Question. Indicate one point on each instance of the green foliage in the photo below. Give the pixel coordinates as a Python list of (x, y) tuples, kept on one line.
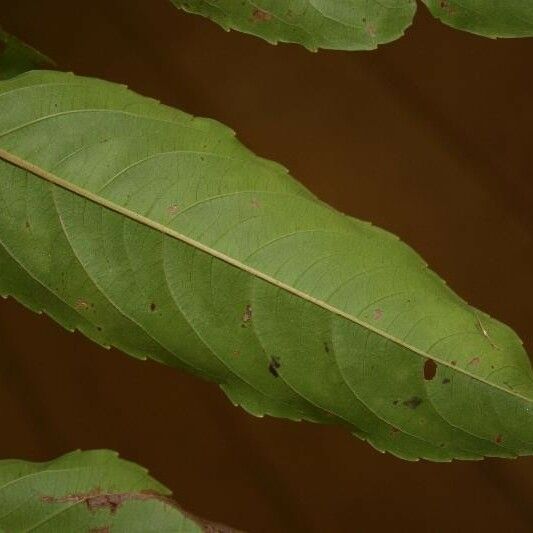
[(17, 57), (359, 24), (159, 233), (337, 24), (489, 18), (93, 491)]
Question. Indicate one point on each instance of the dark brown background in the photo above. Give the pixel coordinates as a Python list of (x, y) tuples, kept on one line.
[(430, 137)]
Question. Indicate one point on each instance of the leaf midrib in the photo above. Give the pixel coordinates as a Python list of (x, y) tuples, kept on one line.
[(50, 177)]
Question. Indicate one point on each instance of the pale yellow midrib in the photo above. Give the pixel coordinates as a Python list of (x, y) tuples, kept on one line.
[(88, 195)]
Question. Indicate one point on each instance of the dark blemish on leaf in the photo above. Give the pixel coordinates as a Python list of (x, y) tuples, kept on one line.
[(498, 439), (430, 369), (259, 15), (326, 347), (104, 529), (474, 361), (394, 430), (99, 328), (445, 5), (378, 314), (413, 402), (396, 402), (28, 225), (273, 366), (153, 307), (445, 381), (97, 499), (247, 315), (453, 363)]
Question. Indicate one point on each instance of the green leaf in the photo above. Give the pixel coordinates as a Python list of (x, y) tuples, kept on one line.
[(159, 233), (17, 57), (335, 24), (359, 24), (93, 491), (494, 18)]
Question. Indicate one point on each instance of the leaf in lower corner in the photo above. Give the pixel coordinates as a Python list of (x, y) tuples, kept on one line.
[(160, 234), (17, 57), (89, 491)]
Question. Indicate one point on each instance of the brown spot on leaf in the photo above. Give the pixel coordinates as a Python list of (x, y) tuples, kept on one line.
[(255, 203), (259, 15), (247, 315), (173, 210), (453, 363), (274, 365), (27, 225), (97, 499), (153, 307), (326, 347), (236, 353), (445, 381), (498, 439), (474, 361), (82, 305), (413, 402), (371, 30), (430, 369), (446, 6), (378, 314)]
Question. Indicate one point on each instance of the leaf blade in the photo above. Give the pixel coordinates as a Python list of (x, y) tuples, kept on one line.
[(214, 237), (17, 57), (333, 24), (498, 19), (358, 24), (90, 491)]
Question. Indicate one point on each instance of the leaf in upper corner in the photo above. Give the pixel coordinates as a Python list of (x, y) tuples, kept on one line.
[(489, 18), (335, 24), (360, 24), (17, 57), (160, 234), (93, 491)]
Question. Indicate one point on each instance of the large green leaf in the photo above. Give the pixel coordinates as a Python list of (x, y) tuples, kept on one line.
[(17, 57), (160, 234), (92, 491), (359, 24)]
